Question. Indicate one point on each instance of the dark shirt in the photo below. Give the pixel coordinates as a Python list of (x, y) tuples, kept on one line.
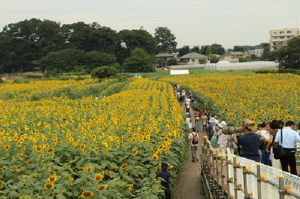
[(250, 144), (166, 175)]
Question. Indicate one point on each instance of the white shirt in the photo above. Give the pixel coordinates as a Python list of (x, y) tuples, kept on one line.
[(191, 138), (289, 136), (265, 134)]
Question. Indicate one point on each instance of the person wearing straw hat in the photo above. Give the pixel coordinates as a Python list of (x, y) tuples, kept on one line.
[(250, 141), (222, 139)]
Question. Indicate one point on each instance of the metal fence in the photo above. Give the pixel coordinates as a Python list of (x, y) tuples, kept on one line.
[(243, 178)]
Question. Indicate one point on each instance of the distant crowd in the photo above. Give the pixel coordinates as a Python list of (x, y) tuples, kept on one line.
[(257, 145)]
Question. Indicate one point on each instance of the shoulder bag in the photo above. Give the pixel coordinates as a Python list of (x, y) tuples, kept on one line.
[(278, 151)]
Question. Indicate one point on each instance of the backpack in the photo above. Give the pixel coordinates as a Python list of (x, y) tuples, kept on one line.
[(214, 141), (195, 139)]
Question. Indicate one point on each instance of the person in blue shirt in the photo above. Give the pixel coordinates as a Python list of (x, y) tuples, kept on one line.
[(250, 141), (288, 143)]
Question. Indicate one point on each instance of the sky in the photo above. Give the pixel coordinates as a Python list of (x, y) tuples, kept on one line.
[(193, 22)]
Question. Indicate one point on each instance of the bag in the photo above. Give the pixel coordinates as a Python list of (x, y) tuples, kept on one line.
[(278, 151), (214, 141), (195, 139), (197, 118)]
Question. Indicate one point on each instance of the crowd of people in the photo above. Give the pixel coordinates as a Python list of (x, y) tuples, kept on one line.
[(256, 143)]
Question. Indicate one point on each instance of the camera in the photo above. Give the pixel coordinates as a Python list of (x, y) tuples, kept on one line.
[(231, 130)]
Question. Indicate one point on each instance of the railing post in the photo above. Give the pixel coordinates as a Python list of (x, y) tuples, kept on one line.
[(259, 196), (245, 181), (228, 179), (201, 157), (235, 177), (214, 173), (281, 187), (222, 174)]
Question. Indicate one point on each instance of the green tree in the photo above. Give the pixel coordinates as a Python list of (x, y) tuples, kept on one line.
[(213, 58), (238, 49), (165, 40), (139, 61), (129, 40), (266, 52), (63, 61), (95, 59), (289, 56), (195, 49), (104, 71), (184, 50), (172, 61), (273, 56), (217, 49)]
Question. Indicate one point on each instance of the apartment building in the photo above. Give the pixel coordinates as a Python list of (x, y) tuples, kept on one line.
[(279, 38)]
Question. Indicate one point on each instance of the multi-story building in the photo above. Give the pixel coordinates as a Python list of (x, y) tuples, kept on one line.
[(257, 52), (279, 38)]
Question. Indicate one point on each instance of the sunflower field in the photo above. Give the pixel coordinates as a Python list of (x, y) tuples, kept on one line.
[(58, 141), (234, 96)]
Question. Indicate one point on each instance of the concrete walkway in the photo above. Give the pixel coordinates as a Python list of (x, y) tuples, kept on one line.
[(188, 185)]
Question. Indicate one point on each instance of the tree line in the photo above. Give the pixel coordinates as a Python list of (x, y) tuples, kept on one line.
[(81, 47), (76, 47)]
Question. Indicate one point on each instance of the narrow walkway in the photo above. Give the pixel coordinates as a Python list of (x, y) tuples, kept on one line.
[(188, 185)]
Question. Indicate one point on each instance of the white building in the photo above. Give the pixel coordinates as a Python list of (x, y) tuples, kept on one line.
[(194, 58), (279, 37), (256, 52)]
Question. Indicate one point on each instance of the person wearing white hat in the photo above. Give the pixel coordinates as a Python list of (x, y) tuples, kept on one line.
[(222, 139)]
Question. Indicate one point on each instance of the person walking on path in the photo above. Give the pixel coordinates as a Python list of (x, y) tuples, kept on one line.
[(165, 175), (250, 141), (193, 140), (197, 120), (188, 104), (288, 143), (188, 119), (203, 121), (195, 105), (222, 140)]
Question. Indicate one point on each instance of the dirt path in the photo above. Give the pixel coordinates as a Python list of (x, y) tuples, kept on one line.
[(189, 185)]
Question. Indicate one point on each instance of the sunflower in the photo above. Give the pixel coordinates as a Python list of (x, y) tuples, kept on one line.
[(154, 157), (1, 183), (130, 186), (30, 161), (50, 150), (38, 149), (25, 196), (96, 149), (135, 152), (102, 187), (1, 169), (98, 177), (48, 186), (87, 194), (124, 166), (82, 147), (89, 169), (6, 147), (52, 178)]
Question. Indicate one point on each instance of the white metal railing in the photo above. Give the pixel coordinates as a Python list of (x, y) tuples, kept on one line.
[(244, 178)]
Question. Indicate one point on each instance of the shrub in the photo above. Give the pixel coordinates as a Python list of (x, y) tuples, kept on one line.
[(172, 61), (104, 71)]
